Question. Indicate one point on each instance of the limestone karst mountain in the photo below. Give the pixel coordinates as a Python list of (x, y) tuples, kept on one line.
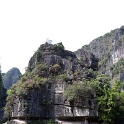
[(110, 51), (11, 77), (71, 87), (39, 94)]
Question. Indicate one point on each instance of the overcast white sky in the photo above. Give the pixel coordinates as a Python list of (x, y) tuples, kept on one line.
[(25, 24)]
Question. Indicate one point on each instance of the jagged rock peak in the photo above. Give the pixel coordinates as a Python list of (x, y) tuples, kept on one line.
[(56, 54), (109, 49), (88, 57)]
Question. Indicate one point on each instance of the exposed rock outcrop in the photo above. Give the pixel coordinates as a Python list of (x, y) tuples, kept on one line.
[(48, 102), (109, 49), (39, 93), (88, 58)]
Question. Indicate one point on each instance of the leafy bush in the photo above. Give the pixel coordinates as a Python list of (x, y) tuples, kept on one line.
[(55, 69), (60, 46), (40, 69), (103, 61), (118, 67), (111, 103), (83, 90), (109, 98)]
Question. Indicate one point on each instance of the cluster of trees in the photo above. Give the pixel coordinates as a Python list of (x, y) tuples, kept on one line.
[(110, 98), (111, 103)]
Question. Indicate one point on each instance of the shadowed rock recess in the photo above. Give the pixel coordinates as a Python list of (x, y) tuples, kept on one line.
[(40, 92)]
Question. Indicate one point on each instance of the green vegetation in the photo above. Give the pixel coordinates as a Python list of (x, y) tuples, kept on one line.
[(40, 70), (69, 58), (109, 98), (102, 46), (117, 68), (32, 80), (86, 48), (82, 90), (86, 89), (119, 42), (37, 56), (102, 63), (81, 84), (21, 88), (60, 46), (55, 69), (62, 77), (111, 103)]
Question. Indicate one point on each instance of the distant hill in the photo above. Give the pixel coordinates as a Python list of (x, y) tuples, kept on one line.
[(11, 77)]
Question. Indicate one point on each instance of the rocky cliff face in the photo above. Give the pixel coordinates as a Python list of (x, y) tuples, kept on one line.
[(48, 102), (109, 49), (39, 93), (6, 81)]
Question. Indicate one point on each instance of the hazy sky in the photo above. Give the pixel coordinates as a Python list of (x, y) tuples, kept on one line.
[(25, 25)]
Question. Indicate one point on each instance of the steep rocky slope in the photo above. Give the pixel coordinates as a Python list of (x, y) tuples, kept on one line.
[(11, 77), (39, 94), (110, 51)]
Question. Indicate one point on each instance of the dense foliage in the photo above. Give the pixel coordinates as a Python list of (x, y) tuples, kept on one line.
[(40, 76), (117, 67), (84, 90), (111, 103), (109, 98), (107, 48)]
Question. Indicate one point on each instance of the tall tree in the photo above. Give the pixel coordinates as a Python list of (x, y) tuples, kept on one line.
[(111, 103)]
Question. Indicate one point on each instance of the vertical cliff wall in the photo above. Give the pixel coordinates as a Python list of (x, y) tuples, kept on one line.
[(39, 94), (109, 49)]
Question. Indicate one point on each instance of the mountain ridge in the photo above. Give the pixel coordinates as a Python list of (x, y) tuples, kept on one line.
[(108, 48)]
